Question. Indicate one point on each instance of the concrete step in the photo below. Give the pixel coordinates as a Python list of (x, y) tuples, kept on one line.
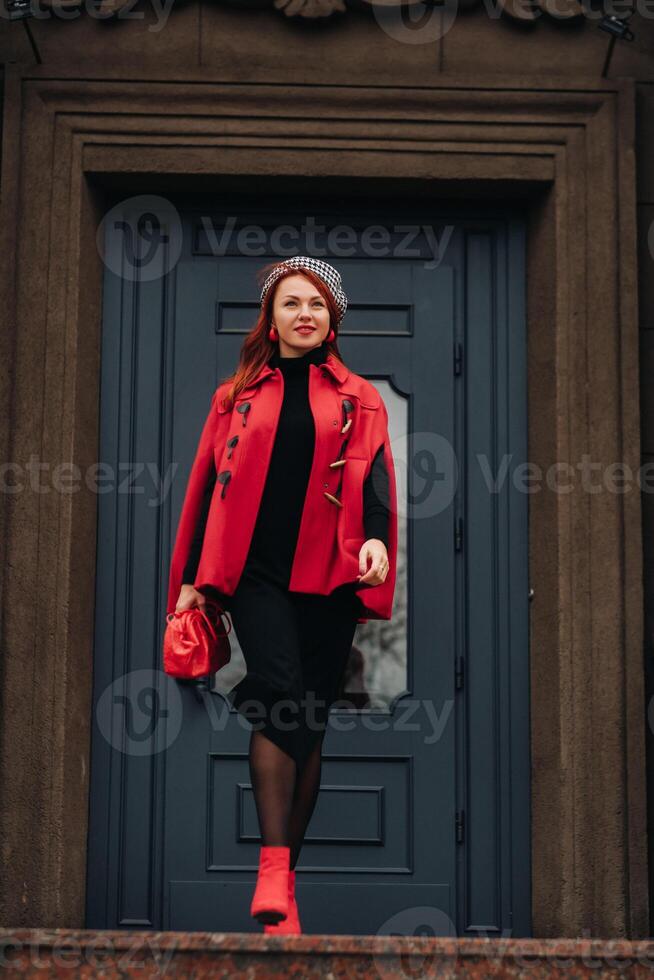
[(124, 953)]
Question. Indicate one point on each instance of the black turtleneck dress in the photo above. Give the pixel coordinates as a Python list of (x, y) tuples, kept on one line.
[(295, 644)]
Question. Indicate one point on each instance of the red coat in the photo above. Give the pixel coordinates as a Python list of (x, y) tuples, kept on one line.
[(330, 537)]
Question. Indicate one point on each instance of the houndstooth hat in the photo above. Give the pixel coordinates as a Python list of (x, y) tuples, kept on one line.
[(327, 273)]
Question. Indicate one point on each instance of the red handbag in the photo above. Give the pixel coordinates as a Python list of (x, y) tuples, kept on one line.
[(196, 643)]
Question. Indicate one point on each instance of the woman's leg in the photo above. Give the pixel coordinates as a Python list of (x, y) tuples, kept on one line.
[(264, 620), (307, 786), (272, 773), (327, 627)]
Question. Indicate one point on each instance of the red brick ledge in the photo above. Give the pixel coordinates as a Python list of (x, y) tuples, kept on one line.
[(121, 952), (238, 941)]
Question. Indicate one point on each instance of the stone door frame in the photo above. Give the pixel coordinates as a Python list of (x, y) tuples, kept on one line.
[(565, 147)]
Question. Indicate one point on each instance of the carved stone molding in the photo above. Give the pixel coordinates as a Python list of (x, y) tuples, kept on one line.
[(315, 11), (522, 10), (564, 150)]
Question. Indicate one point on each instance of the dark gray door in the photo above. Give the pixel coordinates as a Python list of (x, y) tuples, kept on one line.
[(422, 823)]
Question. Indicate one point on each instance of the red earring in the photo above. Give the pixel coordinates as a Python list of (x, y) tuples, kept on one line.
[(330, 336), (272, 333)]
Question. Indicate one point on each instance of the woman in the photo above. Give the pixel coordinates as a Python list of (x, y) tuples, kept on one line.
[(295, 544)]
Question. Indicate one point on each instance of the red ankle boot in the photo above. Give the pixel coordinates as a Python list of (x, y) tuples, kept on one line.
[(290, 926), (270, 899)]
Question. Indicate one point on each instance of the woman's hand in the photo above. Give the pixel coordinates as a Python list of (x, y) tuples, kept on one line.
[(374, 549), (190, 597)]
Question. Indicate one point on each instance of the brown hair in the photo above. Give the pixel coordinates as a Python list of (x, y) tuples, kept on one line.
[(257, 347)]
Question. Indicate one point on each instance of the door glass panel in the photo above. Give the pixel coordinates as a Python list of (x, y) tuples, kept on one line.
[(376, 674)]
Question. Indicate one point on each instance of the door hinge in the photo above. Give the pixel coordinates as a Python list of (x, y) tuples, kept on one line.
[(458, 673), (458, 357), (460, 826), (458, 534)]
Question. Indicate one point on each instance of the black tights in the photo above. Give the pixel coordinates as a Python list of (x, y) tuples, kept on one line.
[(285, 799)]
